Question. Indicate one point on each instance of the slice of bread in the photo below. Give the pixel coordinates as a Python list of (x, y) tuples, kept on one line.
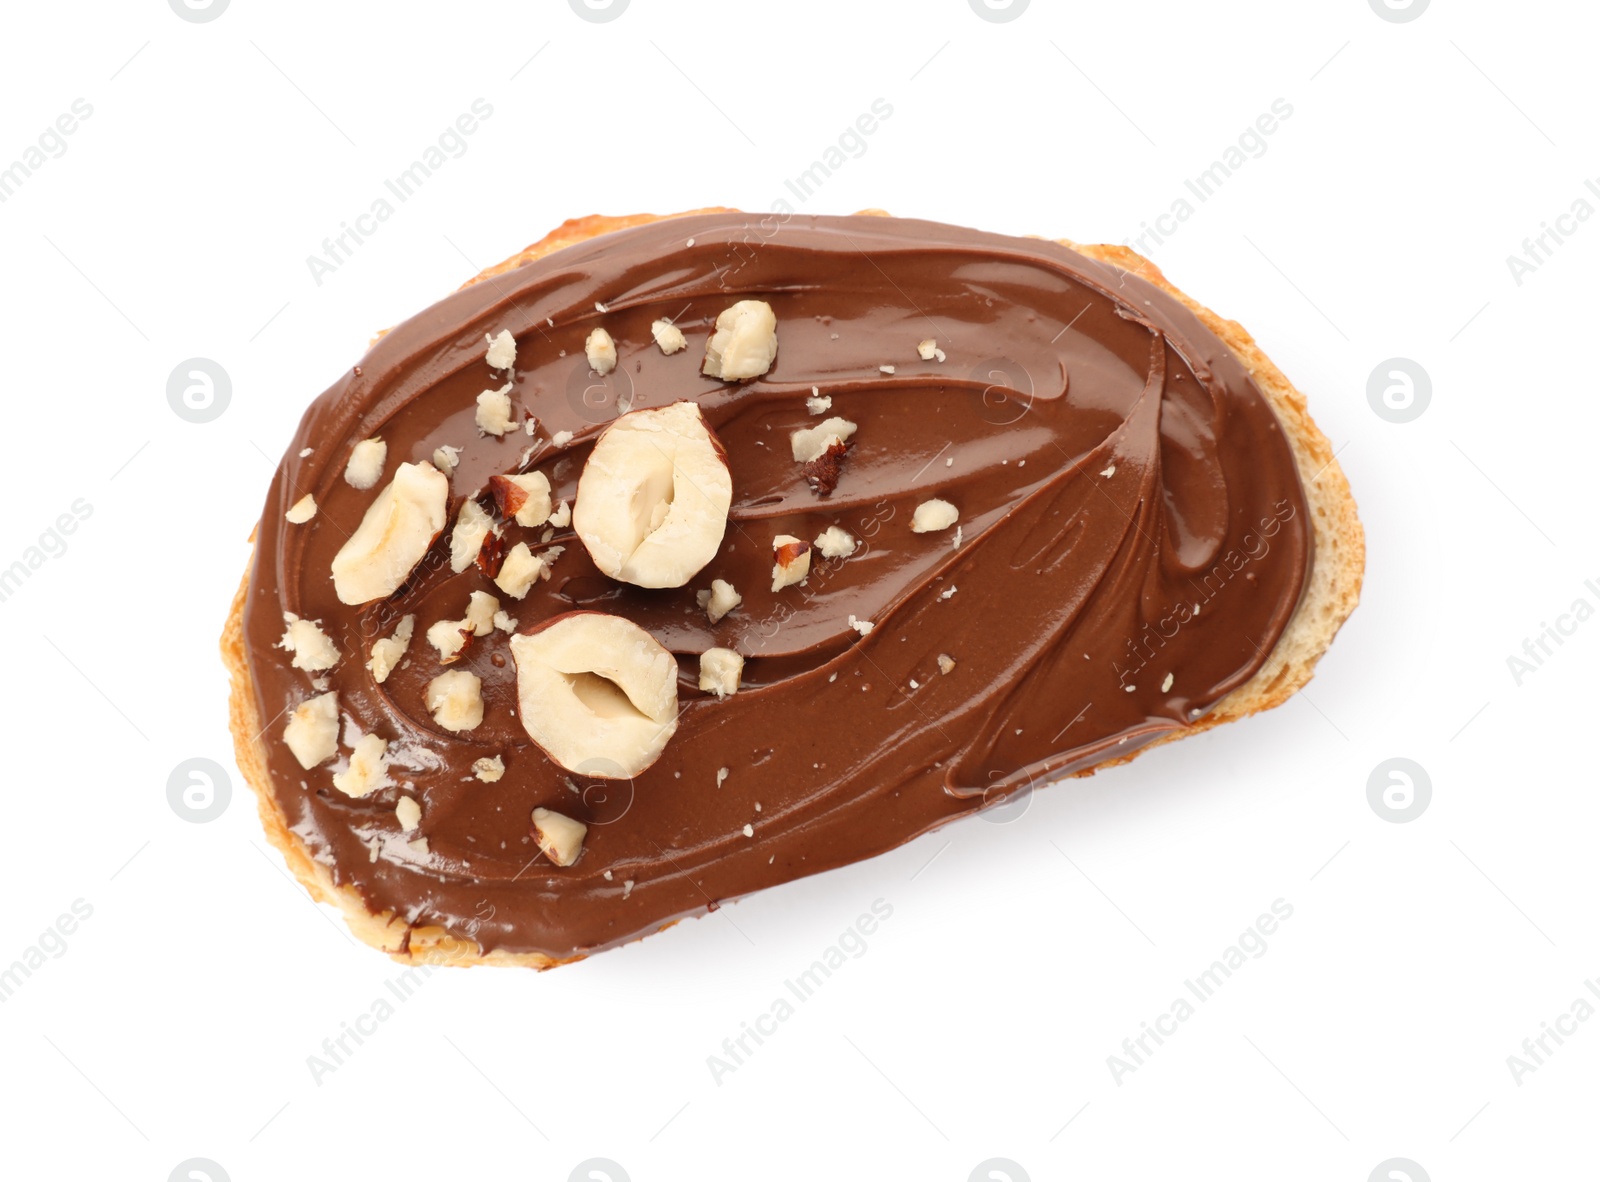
[(1328, 599)]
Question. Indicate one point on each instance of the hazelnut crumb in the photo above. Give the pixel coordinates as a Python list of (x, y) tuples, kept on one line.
[(929, 350), (302, 510), (722, 775), (1111, 471), (946, 663), (607, 876), (668, 336), (1167, 684), (933, 516), (888, 369), (947, 593), (561, 438), (493, 415), (862, 626), (627, 887), (501, 352), (749, 831)]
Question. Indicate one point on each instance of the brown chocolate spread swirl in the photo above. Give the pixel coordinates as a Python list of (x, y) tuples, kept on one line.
[(1133, 541)]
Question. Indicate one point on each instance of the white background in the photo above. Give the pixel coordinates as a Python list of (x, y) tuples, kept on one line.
[(177, 223)]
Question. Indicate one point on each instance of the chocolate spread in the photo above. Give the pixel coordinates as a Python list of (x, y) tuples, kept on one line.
[(1133, 540)]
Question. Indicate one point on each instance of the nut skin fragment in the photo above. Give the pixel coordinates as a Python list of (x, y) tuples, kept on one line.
[(455, 699), (720, 671), (368, 770), (560, 838), (399, 526), (932, 516), (601, 351), (834, 542), (365, 468), (387, 652), (791, 561), (523, 498), (668, 336), (491, 554), (597, 693), (312, 733), (451, 637), (720, 600), (744, 344), (822, 473), (493, 415), (653, 499), (302, 510)]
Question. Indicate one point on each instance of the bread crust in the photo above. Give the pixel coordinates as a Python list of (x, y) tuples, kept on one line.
[(1330, 595)]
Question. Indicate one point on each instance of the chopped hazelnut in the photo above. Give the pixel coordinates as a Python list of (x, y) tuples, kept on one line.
[(365, 468), (601, 351), (933, 516), (668, 336), (720, 670), (493, 415)]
